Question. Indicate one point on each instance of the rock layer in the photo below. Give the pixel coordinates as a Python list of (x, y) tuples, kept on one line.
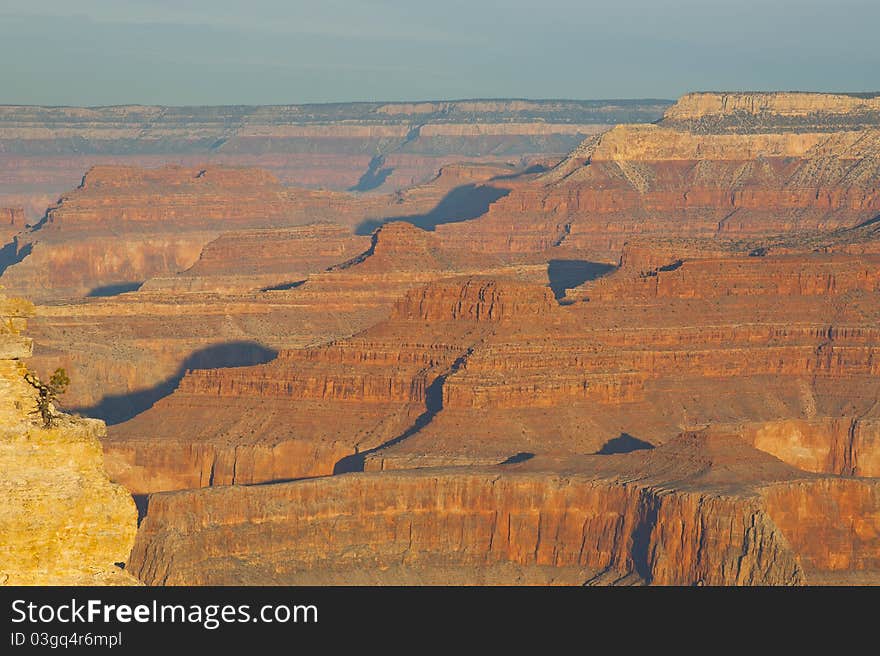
[(63, 522), (726, 520), (44, 150)]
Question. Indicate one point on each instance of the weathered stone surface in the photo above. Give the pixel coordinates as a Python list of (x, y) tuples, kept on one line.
[(63, 522)]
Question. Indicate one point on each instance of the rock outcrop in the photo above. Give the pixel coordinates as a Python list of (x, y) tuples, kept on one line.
[(63, 522), (11, 223), (698, 511), (738, 112)]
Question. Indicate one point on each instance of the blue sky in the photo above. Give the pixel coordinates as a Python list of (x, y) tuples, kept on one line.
[(178, 52)]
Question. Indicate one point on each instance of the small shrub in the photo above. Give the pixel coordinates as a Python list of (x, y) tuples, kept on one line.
[(47, 393)]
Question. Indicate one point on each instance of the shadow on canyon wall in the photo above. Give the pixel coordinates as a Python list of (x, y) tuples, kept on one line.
[(375, 175), (566, 274), (284, 286), (142, 503), (522, 456), (623, 443), (11, 254), (433, 405), (115, 289), (462, 203), (117, 408), (531, 170)]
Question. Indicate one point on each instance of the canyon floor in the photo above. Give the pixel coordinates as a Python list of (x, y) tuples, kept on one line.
[(633, 353)]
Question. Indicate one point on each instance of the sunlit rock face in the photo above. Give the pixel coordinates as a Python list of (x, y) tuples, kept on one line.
[(63, 522)]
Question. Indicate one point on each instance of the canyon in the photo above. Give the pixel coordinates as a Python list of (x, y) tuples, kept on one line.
[(653, 360), (388, 146)]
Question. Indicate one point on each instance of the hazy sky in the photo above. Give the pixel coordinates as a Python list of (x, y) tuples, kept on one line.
[(178, 52)]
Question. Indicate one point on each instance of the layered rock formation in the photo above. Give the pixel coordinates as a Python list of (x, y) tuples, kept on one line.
[(44, 150), (267, 259), (655, 363), (63, 522), (307, 411), (698, 511), (11, 222), (122, 225), (742, 112), (678, 179)]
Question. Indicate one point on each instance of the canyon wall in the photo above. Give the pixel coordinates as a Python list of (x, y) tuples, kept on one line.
[(581, 525), (124, 225), (679, 179), (45, 150)]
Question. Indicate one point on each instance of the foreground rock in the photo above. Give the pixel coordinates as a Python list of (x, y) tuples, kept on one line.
[(63, 522)]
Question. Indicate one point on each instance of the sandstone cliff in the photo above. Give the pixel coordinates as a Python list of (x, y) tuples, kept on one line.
[(11, 222), (63, 522), (736, 112), (700, 511)]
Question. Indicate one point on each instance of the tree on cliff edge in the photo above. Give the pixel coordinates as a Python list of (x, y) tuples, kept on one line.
[(47, 393)]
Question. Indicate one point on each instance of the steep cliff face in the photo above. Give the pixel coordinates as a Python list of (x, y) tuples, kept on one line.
[(599, 519), (11, 222), (735, 112), (784, 165), (268, 259), (475, 300), (63, 522), (847, 446)]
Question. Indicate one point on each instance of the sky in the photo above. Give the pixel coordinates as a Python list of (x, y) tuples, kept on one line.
[(198, 52)]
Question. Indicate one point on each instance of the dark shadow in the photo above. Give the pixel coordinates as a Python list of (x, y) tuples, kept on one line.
[(283, 286), (623, 443), (867, 223), (45, 218), (115, 290), (460, 204), (566, 231), (142, 503), (672, 266), (117, 408), (357, 259), (522, 456), (761, 251), (11, 254), (375, 175), (566, 274), (433, 405), (641, 537), (276, 481)]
